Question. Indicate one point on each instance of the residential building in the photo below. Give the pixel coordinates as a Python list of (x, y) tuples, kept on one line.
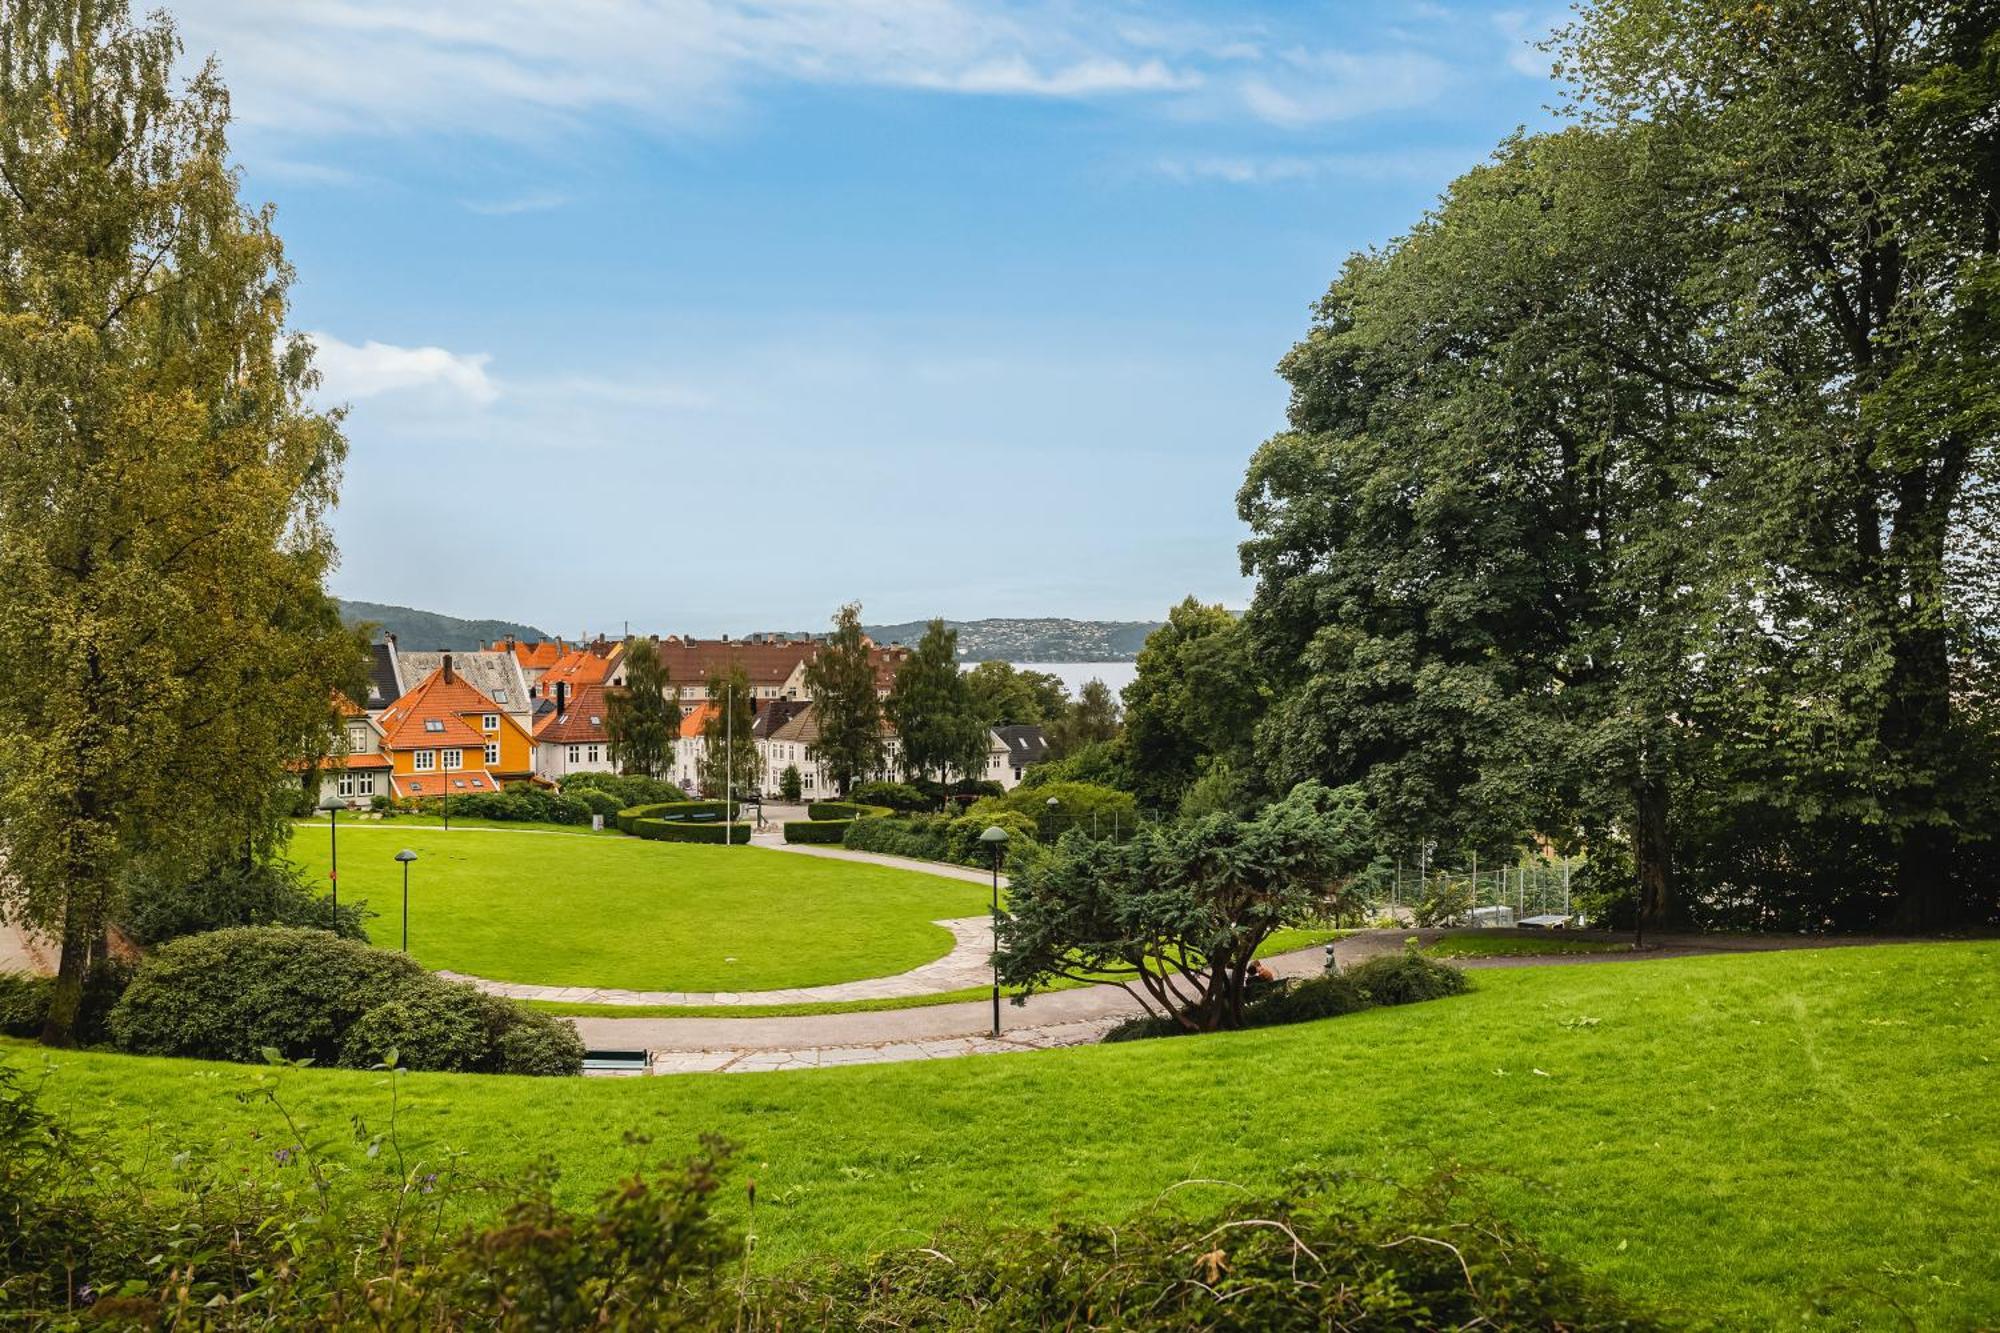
[(535, 659), (1016, 748), (570, 735), (600, 662), (385, 680), (794, 742), (497, 675), (446, 738), (360, 772)]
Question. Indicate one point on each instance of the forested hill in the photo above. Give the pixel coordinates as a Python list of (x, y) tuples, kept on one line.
[(426, 631), (1036, 639)]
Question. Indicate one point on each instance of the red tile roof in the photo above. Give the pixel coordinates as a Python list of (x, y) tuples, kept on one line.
[(584, 666), (423, 786), (544, 654), (582, 720), (407, 724), (697, 717)]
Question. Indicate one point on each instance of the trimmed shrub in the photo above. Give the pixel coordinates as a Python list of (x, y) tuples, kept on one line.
[(520, 803), (668, 830), (232, 994), (1405, 978), (1329, 995), (628, 789), (598, 802), (962, 837), (1081, 805), (270, 894), (25, 998), (452, 1026), (828, 832), (846, 810), (921, 837), (675, 812), (898, 796)]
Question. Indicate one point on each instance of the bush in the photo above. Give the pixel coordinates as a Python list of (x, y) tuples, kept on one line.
[(1405, 978), (598, 802), (157, 909), (962, 842), (898, 796), (1094, 809), (520, 803), (790, 784), (628, 789), (1330, 995), (232, 994), (830, 832), (845, 810), (675, 812), (1446, 902), (921, 837), (24, 1003), (452, 1026), (25, 998), (670, 830)]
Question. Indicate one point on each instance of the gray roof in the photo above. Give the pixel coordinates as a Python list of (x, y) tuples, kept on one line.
[(384, 687), (495, 675), (1025, 744)]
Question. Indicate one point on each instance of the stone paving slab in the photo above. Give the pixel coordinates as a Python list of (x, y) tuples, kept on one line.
[(738, 1061)]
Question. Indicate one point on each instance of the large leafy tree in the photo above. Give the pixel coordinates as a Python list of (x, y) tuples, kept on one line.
[(1197, 694), (841, 679), (730, 762), (1175, 914), (1005, 694), (168, 643), (1846, 155), (1094, 717), (933, 710), (643, 717)]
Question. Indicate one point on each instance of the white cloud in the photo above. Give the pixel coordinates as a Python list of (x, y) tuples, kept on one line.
[(1420, 165), (373, 368), (1523, 35), (1314, 87), (535, 201)]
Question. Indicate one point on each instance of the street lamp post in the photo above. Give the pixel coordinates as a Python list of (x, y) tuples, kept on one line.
[(1053, 804), (995, 837), (333, 805), (406, 856)]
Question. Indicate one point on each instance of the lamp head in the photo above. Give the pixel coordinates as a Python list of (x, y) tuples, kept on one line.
[(332, 803), (994, 836), (406, 856)]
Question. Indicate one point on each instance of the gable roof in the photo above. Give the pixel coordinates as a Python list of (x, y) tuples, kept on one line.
[(1026, 744), (773, 714), (385, 686), (803, 727), (764, 663), (696, 718), (592, 664), (582, 720), (408, 723), (533, 656), (496, 675)]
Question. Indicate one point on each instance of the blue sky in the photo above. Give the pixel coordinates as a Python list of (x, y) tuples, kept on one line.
[(708, 315)]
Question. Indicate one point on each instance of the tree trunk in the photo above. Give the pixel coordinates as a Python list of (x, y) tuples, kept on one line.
[(1652, 855), (73, 965)]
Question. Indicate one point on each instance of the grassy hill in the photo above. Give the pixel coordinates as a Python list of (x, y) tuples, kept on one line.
[(1755, 1141), (427, 631)]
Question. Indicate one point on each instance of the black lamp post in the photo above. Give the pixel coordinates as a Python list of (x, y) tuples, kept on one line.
[(333, 805), (406, 856), (996, 838)]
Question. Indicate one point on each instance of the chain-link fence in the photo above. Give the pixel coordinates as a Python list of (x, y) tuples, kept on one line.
[(1535, 889)]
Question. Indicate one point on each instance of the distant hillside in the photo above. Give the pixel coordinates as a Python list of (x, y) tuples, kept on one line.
[(426, 631), (1039, 639)]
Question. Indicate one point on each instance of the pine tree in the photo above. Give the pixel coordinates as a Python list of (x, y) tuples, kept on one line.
[(841, 679), (169, 644)]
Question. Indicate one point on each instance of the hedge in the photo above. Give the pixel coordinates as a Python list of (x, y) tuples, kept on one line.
[(819, 810), (669, 830), (675, 812), (818, 830)]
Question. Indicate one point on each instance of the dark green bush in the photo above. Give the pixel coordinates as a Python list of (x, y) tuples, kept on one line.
[(898, 796), (24, 1003), (452, 1026), (1329, 995), (829, 832), (921, 837), (628, 789), (675, 812), (158, 908), (669, 830), (598, 802), (1405, 978), (233, 994), (845, 810)]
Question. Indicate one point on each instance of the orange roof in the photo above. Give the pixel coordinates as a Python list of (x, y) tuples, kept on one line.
[(346, 707), (359, 761), (432, 714), (584, 666), (544, 654), (426, 785), (697, 717), (581, 720), (693, 661)]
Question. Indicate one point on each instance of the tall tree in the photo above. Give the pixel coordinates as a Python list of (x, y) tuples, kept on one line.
[(932, 708), (162, 536), (1196, 695), (1004, 694), (1847, 154), (1091, 719), (841, 679), (730, 762), (643, 717)]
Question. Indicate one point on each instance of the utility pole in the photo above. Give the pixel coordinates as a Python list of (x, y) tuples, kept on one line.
[(728, 758)]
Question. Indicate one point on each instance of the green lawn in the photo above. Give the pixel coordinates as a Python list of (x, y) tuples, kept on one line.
[(1762, 1140), (1508, 944), (621, 912)]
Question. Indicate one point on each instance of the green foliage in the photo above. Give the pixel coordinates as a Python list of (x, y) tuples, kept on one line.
[(962, 844), (1093, 719), (920, 837), (1446, 902), (520, 803), (308, 995), (1405, 978), (1102, 811), (1003, 695), (730, 764), (156, 907), (712, 832), (676, 812), (841, 679), (1100, 764), (827, 832), (846, 810), (932, 708), (1198, 693), (598, 803), (642, 718), (1329, 995), (630, 789), (163, 535), (791, 786), (1181, 909), (898, 796)]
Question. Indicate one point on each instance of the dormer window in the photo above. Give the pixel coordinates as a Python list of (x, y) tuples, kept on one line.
[(433, 724), (499, 696)]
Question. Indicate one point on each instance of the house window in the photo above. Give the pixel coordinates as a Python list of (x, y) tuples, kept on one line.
[(433, 724), (357, 738), (346, 785), (576, 754), (500, 696), (454, 760), (365, 784), (492, 755), (490, 722), (424, 760), (593, 755)]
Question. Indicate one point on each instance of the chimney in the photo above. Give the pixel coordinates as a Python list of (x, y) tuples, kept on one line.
[(449, 678), (562, 697)]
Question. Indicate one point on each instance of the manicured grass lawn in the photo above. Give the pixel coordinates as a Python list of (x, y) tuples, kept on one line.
[(317, 828), (1760, 1141), (621, 912), (1508, 944)]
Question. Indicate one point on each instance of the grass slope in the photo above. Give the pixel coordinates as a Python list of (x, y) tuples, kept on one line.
[(1756, 1140), (621, 912), (1507, 944)]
